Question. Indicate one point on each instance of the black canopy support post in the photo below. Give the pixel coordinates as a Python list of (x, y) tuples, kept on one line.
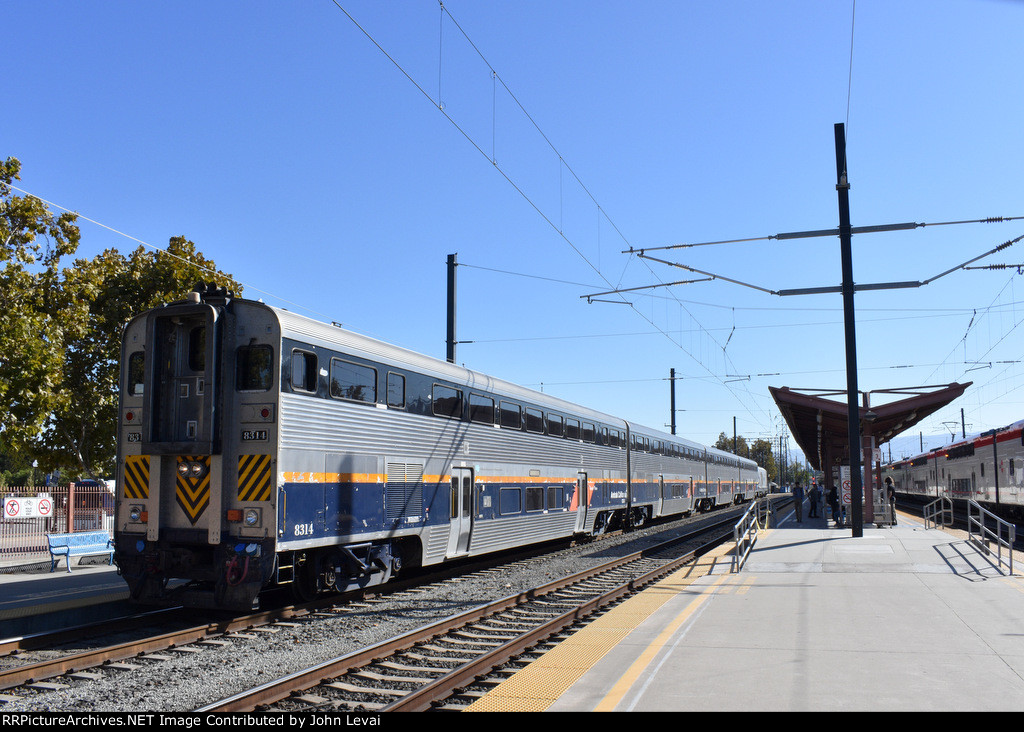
[(452, 264), (852, 392)]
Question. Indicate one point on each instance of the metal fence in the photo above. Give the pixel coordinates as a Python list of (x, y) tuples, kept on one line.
[(29, 514)]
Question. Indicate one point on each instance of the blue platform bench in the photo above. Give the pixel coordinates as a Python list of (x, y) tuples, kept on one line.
[(79, 544)]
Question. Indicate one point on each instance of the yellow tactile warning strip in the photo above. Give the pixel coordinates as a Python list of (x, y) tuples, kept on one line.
[(539, 685)]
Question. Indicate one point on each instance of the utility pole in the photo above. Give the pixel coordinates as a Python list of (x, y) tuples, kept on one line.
[(672, 397), (452, 264)]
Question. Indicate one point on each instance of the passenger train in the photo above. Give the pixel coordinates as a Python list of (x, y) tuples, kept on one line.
[(259, 448), (988, 469)]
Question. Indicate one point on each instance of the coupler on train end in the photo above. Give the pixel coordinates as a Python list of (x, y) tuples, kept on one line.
[(225, 576)]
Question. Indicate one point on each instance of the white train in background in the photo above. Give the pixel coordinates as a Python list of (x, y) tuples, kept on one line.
[(988, 469)]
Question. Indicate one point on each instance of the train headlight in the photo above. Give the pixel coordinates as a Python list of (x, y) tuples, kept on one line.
[(192, 469), (135, 513), (252, 517)]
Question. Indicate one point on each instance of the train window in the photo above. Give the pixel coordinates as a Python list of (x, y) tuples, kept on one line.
[(511, 415), (572, 429), (137, 373), (304, 371), (534, 421), (353, 381), (481, 409), (556, 425), (535, 499), (982, 469), (254, 368), (396, 390), (589, 432), (197, 349), (447, 402), (509, 501), (554, 497)]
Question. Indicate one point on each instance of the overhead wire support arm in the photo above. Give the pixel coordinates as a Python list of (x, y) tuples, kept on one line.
[(643, 287), (712, 275), (832, 232), (908, 284), (999, 248)]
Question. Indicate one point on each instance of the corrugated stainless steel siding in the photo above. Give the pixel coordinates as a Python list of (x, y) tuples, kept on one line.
[(511, 531)]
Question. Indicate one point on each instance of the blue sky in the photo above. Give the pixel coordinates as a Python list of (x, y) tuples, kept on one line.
[(300, 158)]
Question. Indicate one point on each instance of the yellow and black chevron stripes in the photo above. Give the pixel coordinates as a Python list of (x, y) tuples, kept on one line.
[(193, 493), (136, 477), (254, 477)]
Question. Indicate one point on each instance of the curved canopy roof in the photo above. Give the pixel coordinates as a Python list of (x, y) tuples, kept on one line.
[(820, 426)]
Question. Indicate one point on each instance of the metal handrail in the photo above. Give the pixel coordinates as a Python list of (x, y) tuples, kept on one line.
[(745, 531), (939, 512), (976, 519)]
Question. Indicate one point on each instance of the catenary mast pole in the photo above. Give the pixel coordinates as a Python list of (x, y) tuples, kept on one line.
[(852, 401)]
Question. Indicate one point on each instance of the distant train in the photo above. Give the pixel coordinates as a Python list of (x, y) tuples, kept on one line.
[(988, 469), (259, 448)]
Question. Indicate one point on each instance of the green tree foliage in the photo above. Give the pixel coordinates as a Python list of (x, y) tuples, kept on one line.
[(762, 454), (60, 331), (33, 315), (725, 444)]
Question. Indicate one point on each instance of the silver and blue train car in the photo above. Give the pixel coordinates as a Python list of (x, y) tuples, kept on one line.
[(261, 448)]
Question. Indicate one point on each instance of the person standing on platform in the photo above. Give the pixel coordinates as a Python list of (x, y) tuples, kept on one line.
[(833, 502), (815, 499), (890, 495), (798, 501)]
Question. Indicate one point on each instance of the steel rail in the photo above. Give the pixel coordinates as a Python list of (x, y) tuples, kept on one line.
[(34, 672), (51, 638)]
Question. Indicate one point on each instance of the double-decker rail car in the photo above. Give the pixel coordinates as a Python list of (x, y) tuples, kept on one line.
[(988, 469), (762, 483), (261, 448)]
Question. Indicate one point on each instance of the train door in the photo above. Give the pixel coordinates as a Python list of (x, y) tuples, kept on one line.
[(659, 505), (183, 369), (582, 501), (461, 511), (182, 435)]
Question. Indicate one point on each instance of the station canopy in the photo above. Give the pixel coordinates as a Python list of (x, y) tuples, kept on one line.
[(821, 426)]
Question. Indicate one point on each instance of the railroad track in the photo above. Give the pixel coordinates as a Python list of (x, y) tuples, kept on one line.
[(417, 671), (60, 654), (39, 672)]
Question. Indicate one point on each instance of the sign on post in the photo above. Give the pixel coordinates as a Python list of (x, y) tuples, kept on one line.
[(845, 485)]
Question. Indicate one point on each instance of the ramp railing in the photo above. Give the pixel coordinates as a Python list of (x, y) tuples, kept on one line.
[(744, 533), (939, 512), (1002, 533)]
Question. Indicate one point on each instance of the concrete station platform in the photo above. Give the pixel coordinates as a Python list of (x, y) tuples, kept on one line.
[(904, 618), (33, 592)]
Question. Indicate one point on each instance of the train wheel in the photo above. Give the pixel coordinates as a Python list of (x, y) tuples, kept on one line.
[(304, 582)]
